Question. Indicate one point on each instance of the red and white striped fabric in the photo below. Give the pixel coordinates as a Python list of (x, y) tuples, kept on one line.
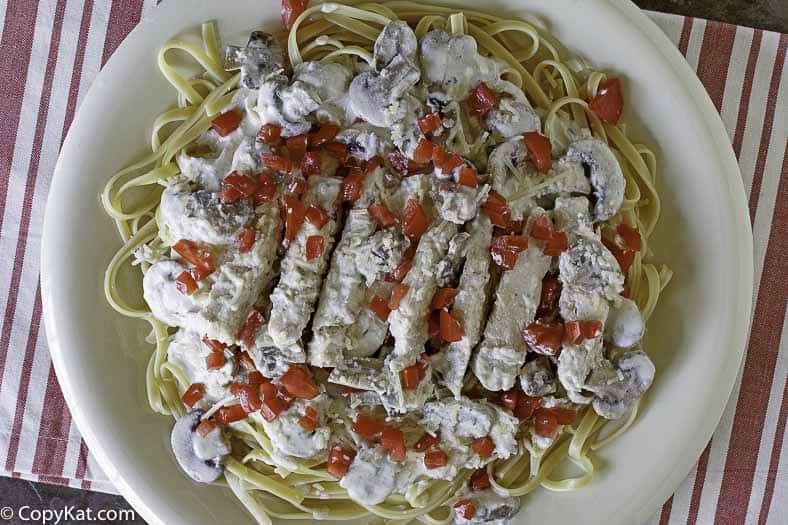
[(51, 51)]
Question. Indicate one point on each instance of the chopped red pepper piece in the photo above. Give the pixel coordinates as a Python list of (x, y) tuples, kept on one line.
[(382, 215), (542, 228), (273, 404), (400, 271), (296, 147), (311, 164), (185, 283), (205, 427), (630, 236), (297, 186), (214, 345), (564, 416), (316, 216), (215, 360), (294, 216), (506, 248), (248, 332), (556, 245), (578, 331), (544, 337), (246, 239), (324, 134), (314, 247), (608, 104), (423, 152), (551, 293), (248, 396), (397, 293), (339, 460), (269, 133), (236, 186), (443, 297), (393, 441), (337, 150), (436, 459), (380, 307), (367, 426), (352, 185), (480, 481), (429, 123), (193, 394), (276, 162), (539, 150), (468, 177), (526, 405), (414, 220), (230, 414), (465, 508), (412, 375), (291, 10), (309, 420), (545, 423), (227, 122), (484, 446), (195, 254), (445, 160), (297, 383), (426, 442), (266, 189), (497, 209), (451, 329), (481, 100), (509, 398)]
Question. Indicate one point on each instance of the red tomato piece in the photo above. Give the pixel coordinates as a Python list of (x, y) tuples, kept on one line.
[(367, 426), (291, 10), (630, 236), (205, 427), (311, 164), (498, 210), (436, 459), (426, 442), (468, 177), (382, 215), (249, 397), (545, 423), (445, 160), (215, 360), (214, 345), (248, 331), (276, 162), (230, 414), (542, 228), (608, 104), (414, 220), (315, 215), (451, 329), (273, 404), (352, 185), (185, 283), (465, 508), (294, 216), (227, 122), (309, 420), (380, 307), (505, 249), (556, 245), (443, 297), (297, 186), (269, 133), (198, 255), (484, 446), (481, 100), (256, 378), (246, 239), (578, 331), (539, 150), (480, 481), (314, 247), (193, 394), (429, 123), (237, 186), (424, 151), (266, 189), (400, 271), (297, 383), (551, 293), (591, 329), (339, 460), (337, 150), (412, 375), (564, 416), (393, 441), (296, 147), (526, 405), (397, 293), (324, 134), (509, 398), (544, 337)]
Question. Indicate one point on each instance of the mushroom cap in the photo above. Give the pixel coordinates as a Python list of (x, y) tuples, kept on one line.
[(182, 441)]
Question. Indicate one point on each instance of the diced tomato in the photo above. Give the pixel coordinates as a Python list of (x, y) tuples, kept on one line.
[(542, 228), (273, 404), (199, 273), (509, 398), (296, 147), (556, 245), (315, 215), (497, 209), (309, 420), (195, 254), (414, 220), (266, 189), (294, 216), (291, 10), (436, 459), (451, 329), (373, 164), (465, 508), (337, 150), (481, 100), (578, 331), (445, 160), (227, 122), (324, 134), (397, 293), (423, 152), (339, 460), (230, 414), (443, 297), (297, 186), (484, 446), (185, 283), (193, 394), (246, 239), (311, 164), (314, 247), (412, 375), (544, 337), (468, 177), (539, 150), (237, 186), (545, 423), (382, 215), (393, 441), (256, 378), (249, 397), (429, 123), (248, 332), (608, 104), (426, 442), (367, 426), (246, 362), (623, 256), (400, 271), (564, 416), (205, 427), (380, 307), (214, 345), (591, 329), (276, 162), (215, 360), (526, 405), (480, 480), (434, 324), (352, 185), (297, 383), (551, 292), (505, 249), (269, 133), (630, 236)]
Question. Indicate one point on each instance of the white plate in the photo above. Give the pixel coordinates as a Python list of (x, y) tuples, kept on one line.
[(696, 336)]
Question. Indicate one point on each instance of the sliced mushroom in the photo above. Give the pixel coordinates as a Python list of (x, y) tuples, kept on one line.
[(605, 174), (199, 457), (453, 63), (397, 38), (491, 507), (589, 267), (364, 141), (513, 114), (625, 325), (376, 97), (537, 378), (613, 399), (260, 57)]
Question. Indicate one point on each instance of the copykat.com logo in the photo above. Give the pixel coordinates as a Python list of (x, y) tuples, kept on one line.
[(68, 514)]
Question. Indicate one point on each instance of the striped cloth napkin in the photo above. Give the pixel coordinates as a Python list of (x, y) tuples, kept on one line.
[(52, 50)]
